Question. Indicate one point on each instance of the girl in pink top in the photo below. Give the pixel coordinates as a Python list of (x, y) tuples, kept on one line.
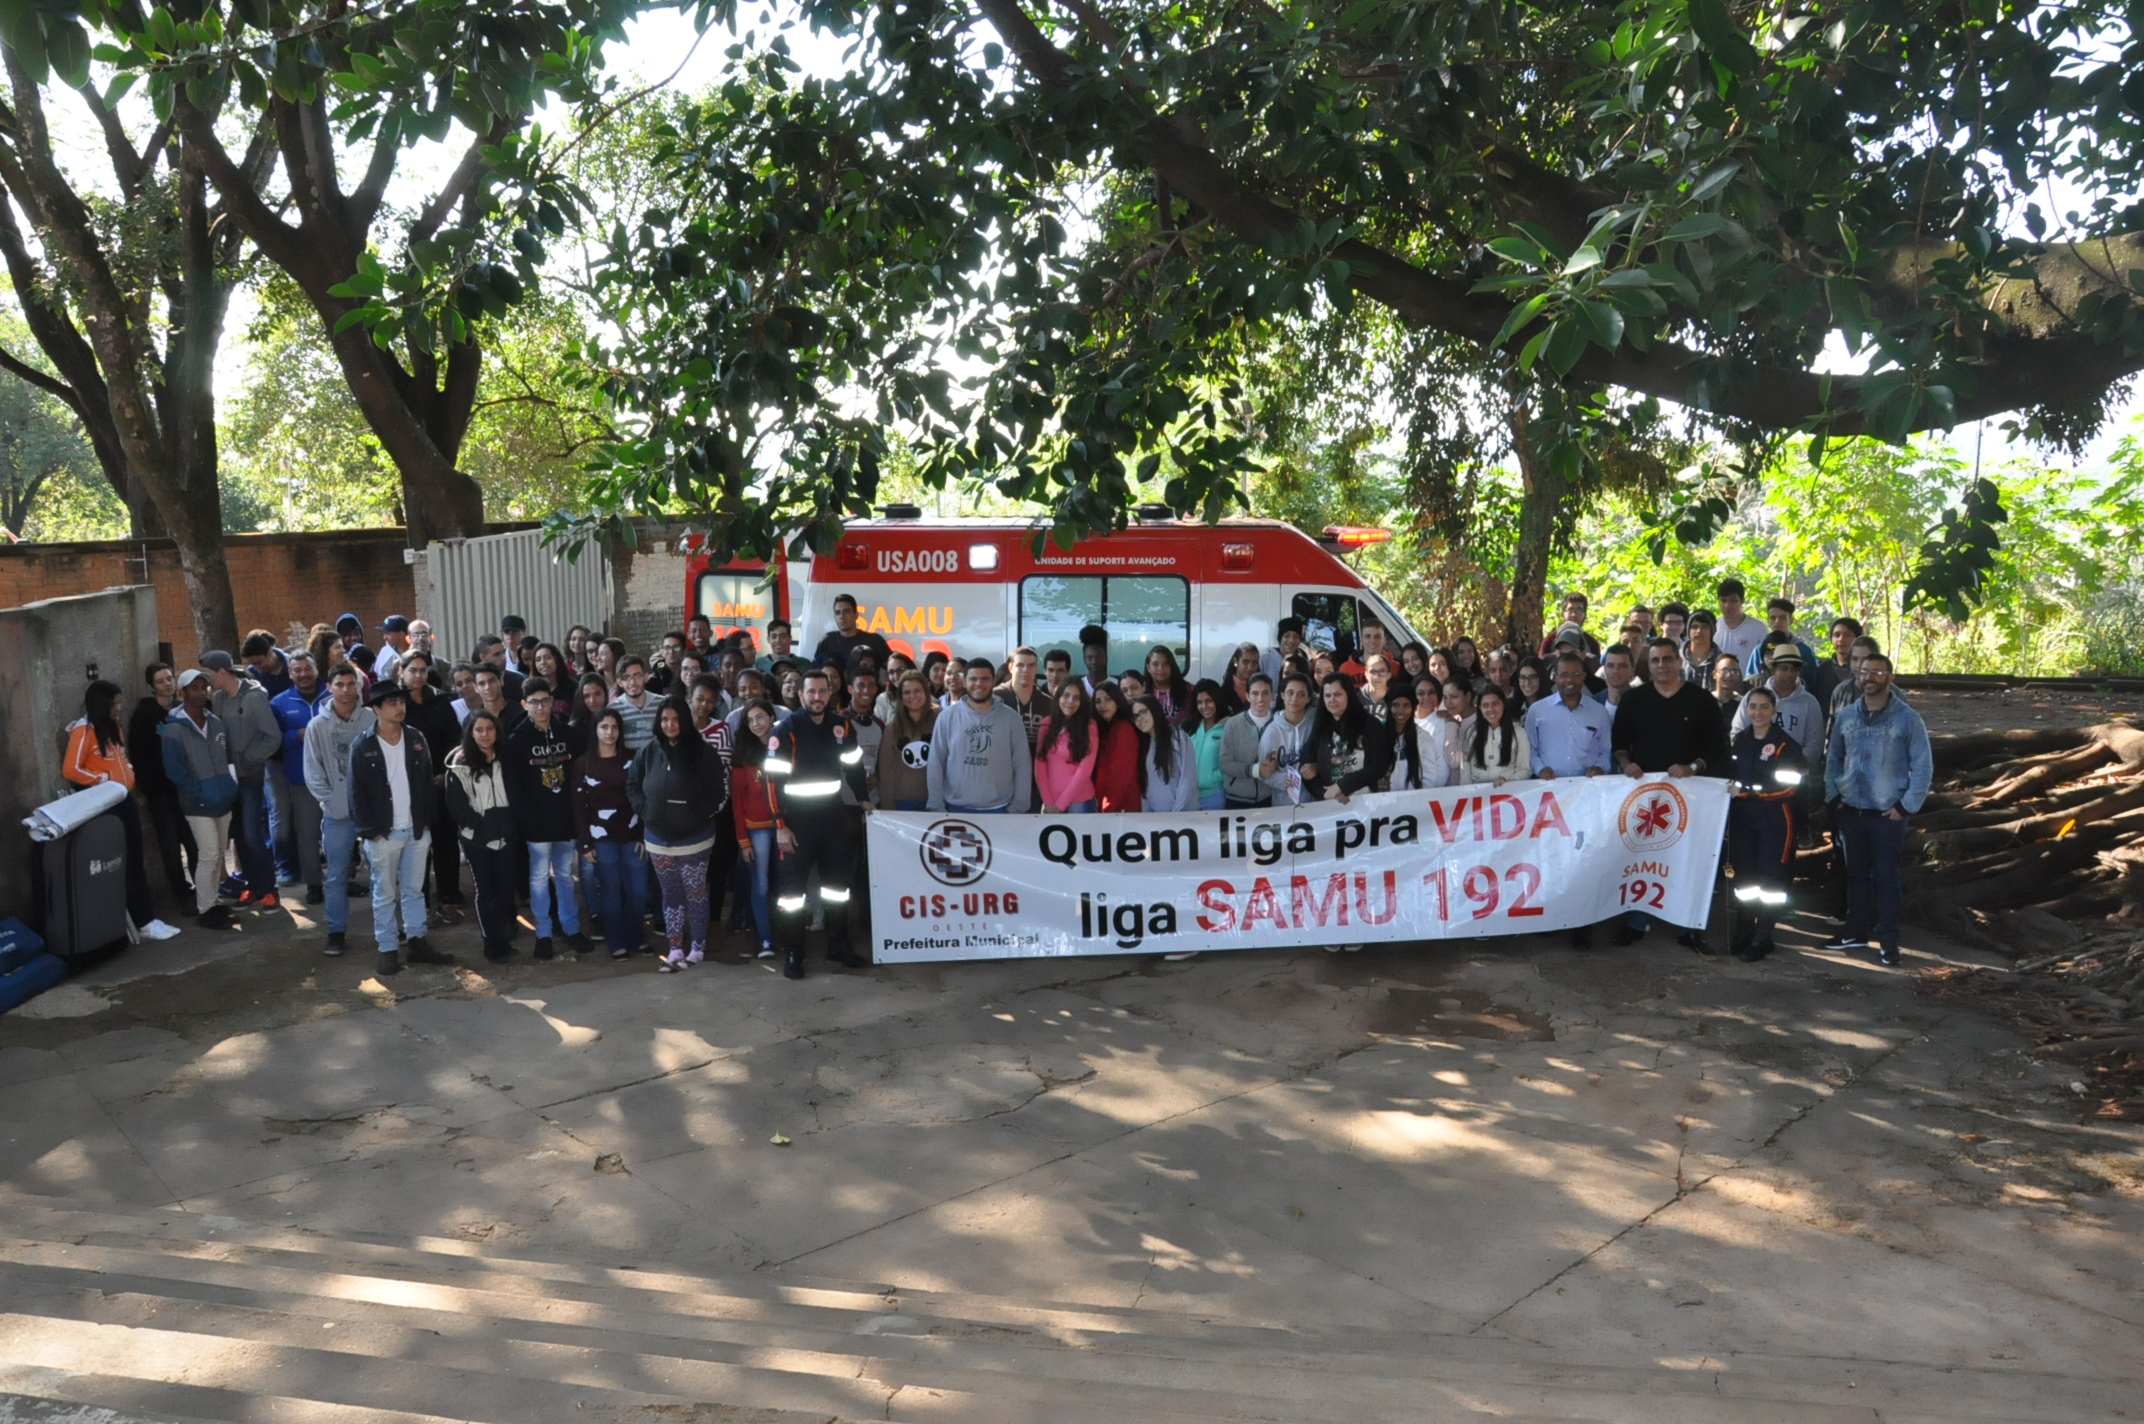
[(1065, 752)]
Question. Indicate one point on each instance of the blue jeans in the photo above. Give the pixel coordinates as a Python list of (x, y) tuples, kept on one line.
[(337, 840), (976, 810), (1213, 800), (1873, 843), (761, 871), (396, 864), (621, 875), (1084, 808), (256, 860), (552, 861), (282, 825), (917, 805)]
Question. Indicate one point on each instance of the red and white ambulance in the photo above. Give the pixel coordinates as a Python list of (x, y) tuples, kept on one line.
[(981, 587)]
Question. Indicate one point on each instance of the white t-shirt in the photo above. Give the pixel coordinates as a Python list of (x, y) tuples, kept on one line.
[(1741, 641), (397, 783)]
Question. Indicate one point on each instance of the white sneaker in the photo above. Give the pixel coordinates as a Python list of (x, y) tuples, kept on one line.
[(1181, 955), (157, 929), (1332, 949), (1351, 948)]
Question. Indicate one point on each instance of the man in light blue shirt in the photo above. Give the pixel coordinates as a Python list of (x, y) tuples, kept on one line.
[(1569, 732), (1877, 774), (1569, 736)]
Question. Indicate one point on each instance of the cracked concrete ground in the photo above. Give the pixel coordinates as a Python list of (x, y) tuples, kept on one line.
[(1623, 1148)]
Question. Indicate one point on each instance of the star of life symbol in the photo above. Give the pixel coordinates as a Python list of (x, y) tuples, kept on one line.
[(955, 853), (1654, 817)]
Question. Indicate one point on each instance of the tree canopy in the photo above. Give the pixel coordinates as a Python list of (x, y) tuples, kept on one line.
[(1082, 209)]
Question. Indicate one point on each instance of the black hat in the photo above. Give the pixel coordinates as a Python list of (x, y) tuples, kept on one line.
[(394, 623), (385, 688), (513, 623), (217, 660)]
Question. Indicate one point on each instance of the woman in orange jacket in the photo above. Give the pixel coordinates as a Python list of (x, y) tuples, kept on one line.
[(97, 753)]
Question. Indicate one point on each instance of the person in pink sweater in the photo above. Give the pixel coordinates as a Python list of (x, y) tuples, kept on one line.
[(1066, 746)]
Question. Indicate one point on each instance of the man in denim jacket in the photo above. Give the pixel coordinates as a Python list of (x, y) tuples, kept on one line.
[(1875, 776)]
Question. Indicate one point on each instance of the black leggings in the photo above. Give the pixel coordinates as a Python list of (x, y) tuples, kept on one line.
[(492, 875), (138, 907), (173, 837)]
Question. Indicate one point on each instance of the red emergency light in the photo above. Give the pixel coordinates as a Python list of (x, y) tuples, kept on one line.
[(1351, 536), (852, 555), (1235, 558)]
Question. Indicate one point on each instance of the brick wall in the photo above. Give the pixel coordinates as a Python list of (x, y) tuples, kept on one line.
[(276, 579)]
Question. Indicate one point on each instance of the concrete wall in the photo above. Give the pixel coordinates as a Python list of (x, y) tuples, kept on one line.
[(648, 586), (51, 650)]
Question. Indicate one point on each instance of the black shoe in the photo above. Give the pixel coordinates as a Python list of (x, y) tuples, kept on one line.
[(848, 959), (1627, 935), (1696, 944), (620, 954), (420, 951), (452, 899), (1844, 941), (388, 962), (215, 917), (335, 938), (580, 943), (793, 966), (1582, 937), (446, 915), (1750, 951), (498, 952), (316, 895), (1887, 954), (543, 946)]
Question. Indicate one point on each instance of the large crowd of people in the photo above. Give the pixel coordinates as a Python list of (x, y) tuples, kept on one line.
[(590, 788)]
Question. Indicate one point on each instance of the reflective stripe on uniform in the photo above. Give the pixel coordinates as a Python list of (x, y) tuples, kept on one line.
[(805, 789), (778, 766), (789, 904), (832, 896)]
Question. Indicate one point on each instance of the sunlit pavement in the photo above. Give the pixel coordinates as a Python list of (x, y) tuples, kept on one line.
[(1508, 1179)]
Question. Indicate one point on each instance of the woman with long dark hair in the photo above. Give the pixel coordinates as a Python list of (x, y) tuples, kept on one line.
[(1466, 661), (1349, 749), (904, 751), (1168, 767), (674, 783), (608, 831), (1210, 724), (548, 661), (1767, 771), (97, 753), (577, 647), (1116, 768), (1165, 684), (1495, 750), (1067, 747), (1235, 694), (591, 700), (753, 810), (145, 752), (477, 800)]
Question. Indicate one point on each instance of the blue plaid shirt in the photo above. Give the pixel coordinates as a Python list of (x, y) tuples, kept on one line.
[(1879, 759)]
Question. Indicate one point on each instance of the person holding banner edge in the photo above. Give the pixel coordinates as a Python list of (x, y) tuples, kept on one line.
[(1667, 725)]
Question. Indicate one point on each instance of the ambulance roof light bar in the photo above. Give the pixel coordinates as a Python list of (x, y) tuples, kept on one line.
[(1343, 538)]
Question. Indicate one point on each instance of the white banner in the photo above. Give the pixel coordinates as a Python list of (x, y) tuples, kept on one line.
[(1456, 863)]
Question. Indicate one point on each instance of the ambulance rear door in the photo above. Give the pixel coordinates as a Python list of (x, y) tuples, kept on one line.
[(1333, 618), (737, 596)]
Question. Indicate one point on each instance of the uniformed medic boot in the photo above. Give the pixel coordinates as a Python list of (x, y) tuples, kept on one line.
[(793, 964), (420, 951)]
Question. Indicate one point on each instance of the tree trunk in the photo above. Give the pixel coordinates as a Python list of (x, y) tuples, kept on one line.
[(1540, 504), (438, 501)]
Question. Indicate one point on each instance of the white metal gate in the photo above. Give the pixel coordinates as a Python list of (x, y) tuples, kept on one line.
[(473, 583)]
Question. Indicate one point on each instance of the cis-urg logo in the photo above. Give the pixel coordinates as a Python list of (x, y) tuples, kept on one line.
[(1654, 817), (955, 852)]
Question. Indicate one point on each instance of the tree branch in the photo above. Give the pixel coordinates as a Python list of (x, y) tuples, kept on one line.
[(2016, 372), (284, 245), (458, 183), (51, 386)]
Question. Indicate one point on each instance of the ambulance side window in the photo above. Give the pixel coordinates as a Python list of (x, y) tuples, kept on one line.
[(732, 600), (1330, 621), (1139, 610)]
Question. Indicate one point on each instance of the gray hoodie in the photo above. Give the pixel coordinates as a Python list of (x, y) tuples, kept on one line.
[(1240, 758), (980, 760), (328, 739), (249, 721)]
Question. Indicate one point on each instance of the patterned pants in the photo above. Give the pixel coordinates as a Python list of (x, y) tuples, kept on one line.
[(684, 884)]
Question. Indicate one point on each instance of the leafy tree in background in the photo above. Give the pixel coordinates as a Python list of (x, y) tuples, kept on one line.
[(126, 296), (298, 440), (1677, 199), (346, 93), (42, 450)]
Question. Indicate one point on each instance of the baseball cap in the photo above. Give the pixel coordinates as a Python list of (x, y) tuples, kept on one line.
[(394, 623), (382, 690), (191, 676), (1571, 633), (217, 660), (513, 623)]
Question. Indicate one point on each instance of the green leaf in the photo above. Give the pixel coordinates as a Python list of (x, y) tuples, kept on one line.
[(1566, 343), (1585, 259), (1519, 249), (1721, 36), (1698, 226), (68, 49), (1520, 316)]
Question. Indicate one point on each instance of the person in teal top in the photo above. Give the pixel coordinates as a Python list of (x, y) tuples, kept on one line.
[(1206, 743)]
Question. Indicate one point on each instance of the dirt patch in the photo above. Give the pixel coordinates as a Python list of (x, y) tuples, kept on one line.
[(1456, 1013)]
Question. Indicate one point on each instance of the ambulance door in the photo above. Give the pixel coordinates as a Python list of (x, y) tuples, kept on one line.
[(1231, 614), (1332, 619), (734, 599)]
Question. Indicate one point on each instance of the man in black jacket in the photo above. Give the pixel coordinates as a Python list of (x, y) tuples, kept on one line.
[(839, 647), (432, 716), (1670, 725), (393, 801), (539, 756), (811, 755)]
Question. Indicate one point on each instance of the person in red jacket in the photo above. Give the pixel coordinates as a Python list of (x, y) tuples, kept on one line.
[(1116, 770), (755, 813)]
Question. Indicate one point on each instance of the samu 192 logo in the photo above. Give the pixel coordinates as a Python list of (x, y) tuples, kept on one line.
[(1654, 816), (955, 852)]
